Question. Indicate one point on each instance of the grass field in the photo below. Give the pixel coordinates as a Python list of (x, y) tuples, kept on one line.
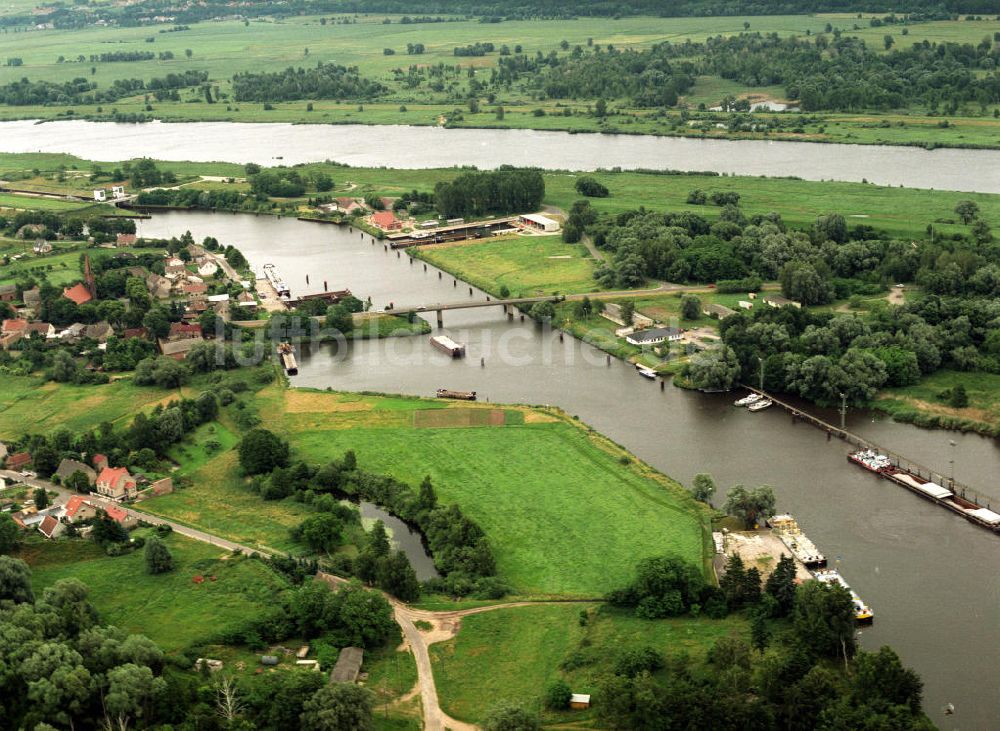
[(58, 267), (563, 514), (224, 48), (526, 265), (10, 201), (514, 654), (983, 390), (171, 609), (28, 404), (219, 502)]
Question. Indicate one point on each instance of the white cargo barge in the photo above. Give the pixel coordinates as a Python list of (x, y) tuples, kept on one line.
[(448, 346)]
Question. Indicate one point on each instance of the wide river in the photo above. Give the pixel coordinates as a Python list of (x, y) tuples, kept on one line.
[(431, 147), (930, 576)]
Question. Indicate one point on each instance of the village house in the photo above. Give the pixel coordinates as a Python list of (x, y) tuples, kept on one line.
[(42, 329), (69, 466), (125, 240), (78, 508), (41, 247), (51, 527), (178, 349), (579, 700), (654, 336), (14, 326), (174, 267), (386, 220), (135, 332), (347, 205), (159, 287), (116, 483), (246, 302), (18, 461), (183, 331), (32, 298), (78, 293), (8, 292), (99, 331), (99, 461), (121, 516), (194, 290), (73, 332), (208, 269)]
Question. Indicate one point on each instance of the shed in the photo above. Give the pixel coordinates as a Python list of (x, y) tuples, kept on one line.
[(775, 300), (717, 310), (538, 222), (579, 700), (348, 665)]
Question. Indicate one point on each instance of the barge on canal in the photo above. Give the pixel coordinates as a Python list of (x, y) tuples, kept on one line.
[(448, 346), (458, 395), (286, 352)]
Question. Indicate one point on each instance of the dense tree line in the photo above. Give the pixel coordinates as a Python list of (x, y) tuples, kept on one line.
[(326, 81), (780, 676), (500, 191), (84, 91), (138, 14)]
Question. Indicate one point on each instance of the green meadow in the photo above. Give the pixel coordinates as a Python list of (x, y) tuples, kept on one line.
[(515, 654), (526, 265), (566, 512), (171, 609)]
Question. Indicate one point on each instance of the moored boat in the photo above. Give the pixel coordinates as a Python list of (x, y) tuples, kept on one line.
[(787, 529), (747, 400), (645, 371), (761, 405), (863, 614), (459, 395), (448, 346), (870, 460)]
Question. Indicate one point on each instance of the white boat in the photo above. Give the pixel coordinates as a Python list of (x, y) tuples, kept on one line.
[(760, 405), (863, 614), (747, 400), (645, 372)]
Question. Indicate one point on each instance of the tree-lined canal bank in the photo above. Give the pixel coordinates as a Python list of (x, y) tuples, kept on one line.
[(917, 565)]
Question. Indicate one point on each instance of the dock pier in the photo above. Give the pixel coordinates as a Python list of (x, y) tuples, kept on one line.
[(963, 500)]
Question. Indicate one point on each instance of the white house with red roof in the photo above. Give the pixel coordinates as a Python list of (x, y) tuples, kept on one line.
[(116, 483), (386, 220), (51, 527), (120, 515), (79, 508)]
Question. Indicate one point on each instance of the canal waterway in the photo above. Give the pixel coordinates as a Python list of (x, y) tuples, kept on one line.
[(401, 146), (929, 575)]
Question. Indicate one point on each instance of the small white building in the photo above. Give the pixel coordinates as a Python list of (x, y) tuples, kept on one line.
[(100, 195), (538, 222), (118, 192)]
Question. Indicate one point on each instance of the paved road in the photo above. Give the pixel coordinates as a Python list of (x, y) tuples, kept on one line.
[(63, 495)]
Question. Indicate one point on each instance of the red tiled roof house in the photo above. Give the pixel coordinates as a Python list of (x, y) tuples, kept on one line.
[(386, 220), (116, 483), (78, 293)]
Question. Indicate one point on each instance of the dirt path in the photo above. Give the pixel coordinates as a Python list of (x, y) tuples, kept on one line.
[(443, 626)]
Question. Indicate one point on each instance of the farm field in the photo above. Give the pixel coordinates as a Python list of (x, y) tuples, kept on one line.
[(526, 265), (514, 654), (556, 502), (60, 268), (227, 47), (171, 609)]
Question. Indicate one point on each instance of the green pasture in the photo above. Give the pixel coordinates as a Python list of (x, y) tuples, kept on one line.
[(562, 512), (171, 609), (526, 265)]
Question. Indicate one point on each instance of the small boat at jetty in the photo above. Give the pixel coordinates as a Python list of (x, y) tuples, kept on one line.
[(761, 405), (460, 395), (747, 400), (862, 612), (448, 346), (645, 372), (870, 460)]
